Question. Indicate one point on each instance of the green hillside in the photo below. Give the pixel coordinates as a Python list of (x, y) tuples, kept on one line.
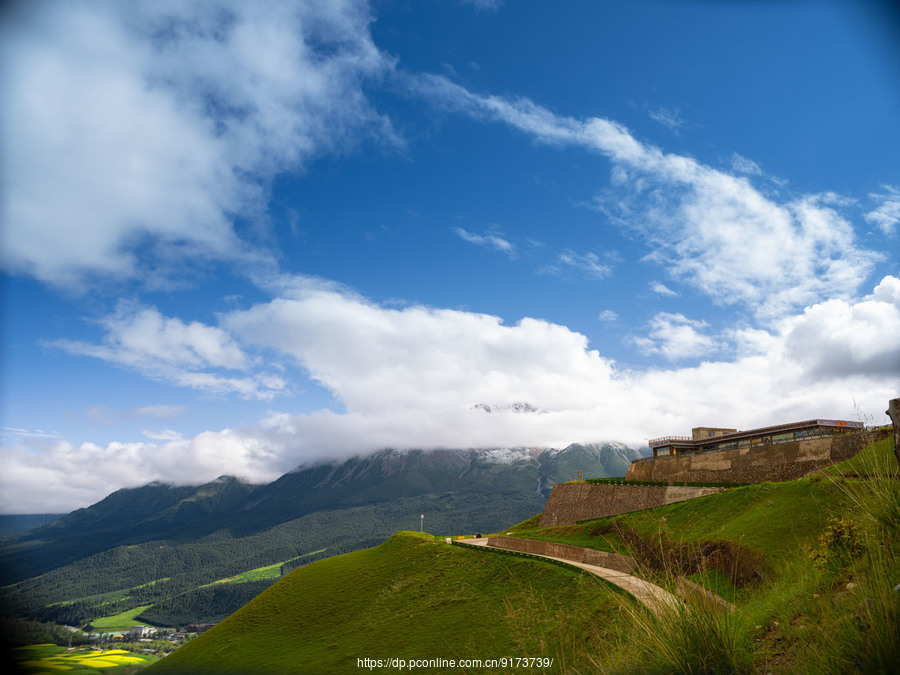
[(810, 565), (409, 598)]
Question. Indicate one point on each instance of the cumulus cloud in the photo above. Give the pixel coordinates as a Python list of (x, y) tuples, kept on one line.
[(707, 228), (426, 366), (168, 349), (134, 134), (378, 359), (410, 377), (677, 337), (837, 339)]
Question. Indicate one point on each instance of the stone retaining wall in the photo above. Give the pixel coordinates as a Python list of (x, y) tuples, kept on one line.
[(613, 561), (571, 502)]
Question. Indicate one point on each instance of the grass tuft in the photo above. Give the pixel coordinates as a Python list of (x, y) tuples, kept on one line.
[(688, 637)]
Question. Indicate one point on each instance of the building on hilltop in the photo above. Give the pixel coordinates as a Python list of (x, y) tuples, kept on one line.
[(714, 439), (780, 452), (682, 468)]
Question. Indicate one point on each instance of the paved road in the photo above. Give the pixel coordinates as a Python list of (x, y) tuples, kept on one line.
[(651, 595)]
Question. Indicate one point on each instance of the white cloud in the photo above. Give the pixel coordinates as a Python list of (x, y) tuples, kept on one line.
[(426, 366), (587, 265), (661, 289), (142, 337), (668, 117), (378, 360), (491, 241), (677, 337), (30, 433), (59, 476), (133, 134), (181, 353), (887, 215), (841, 339), (720, 235), (741, 164), (608, 316), (706, 228), (162, 435)]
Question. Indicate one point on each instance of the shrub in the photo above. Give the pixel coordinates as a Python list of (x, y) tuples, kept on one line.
[(838, 545), (738, 563)]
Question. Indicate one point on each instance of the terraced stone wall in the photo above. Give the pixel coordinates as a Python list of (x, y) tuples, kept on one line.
[(571, 502)]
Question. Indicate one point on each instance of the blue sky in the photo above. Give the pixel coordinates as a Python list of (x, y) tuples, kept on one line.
[(238, 237)]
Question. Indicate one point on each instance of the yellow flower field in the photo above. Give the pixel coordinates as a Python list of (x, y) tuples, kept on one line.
[(63, 662)]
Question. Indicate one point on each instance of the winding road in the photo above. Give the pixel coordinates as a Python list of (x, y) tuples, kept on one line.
[(651, 595)]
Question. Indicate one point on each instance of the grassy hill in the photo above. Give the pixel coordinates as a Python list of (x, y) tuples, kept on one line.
[(810, 564), (409, 598)]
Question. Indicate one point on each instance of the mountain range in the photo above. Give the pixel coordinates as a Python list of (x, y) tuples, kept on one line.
[(147, 545)]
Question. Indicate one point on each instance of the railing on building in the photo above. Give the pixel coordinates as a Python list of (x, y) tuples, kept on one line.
[(668, 439)]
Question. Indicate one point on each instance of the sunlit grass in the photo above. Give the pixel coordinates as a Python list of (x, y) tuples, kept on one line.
[(118, 622)]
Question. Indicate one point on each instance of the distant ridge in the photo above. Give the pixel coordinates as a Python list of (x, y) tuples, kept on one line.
[(16, 524)]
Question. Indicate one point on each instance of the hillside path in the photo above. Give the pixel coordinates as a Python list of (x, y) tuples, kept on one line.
[(651, 595)]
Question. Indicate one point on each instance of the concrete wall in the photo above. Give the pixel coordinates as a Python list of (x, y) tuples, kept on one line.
[(570, 502), (613, 561), (779, 461)]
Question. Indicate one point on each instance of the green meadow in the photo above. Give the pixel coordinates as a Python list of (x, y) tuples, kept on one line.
[(117, 623), (261, 573)]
